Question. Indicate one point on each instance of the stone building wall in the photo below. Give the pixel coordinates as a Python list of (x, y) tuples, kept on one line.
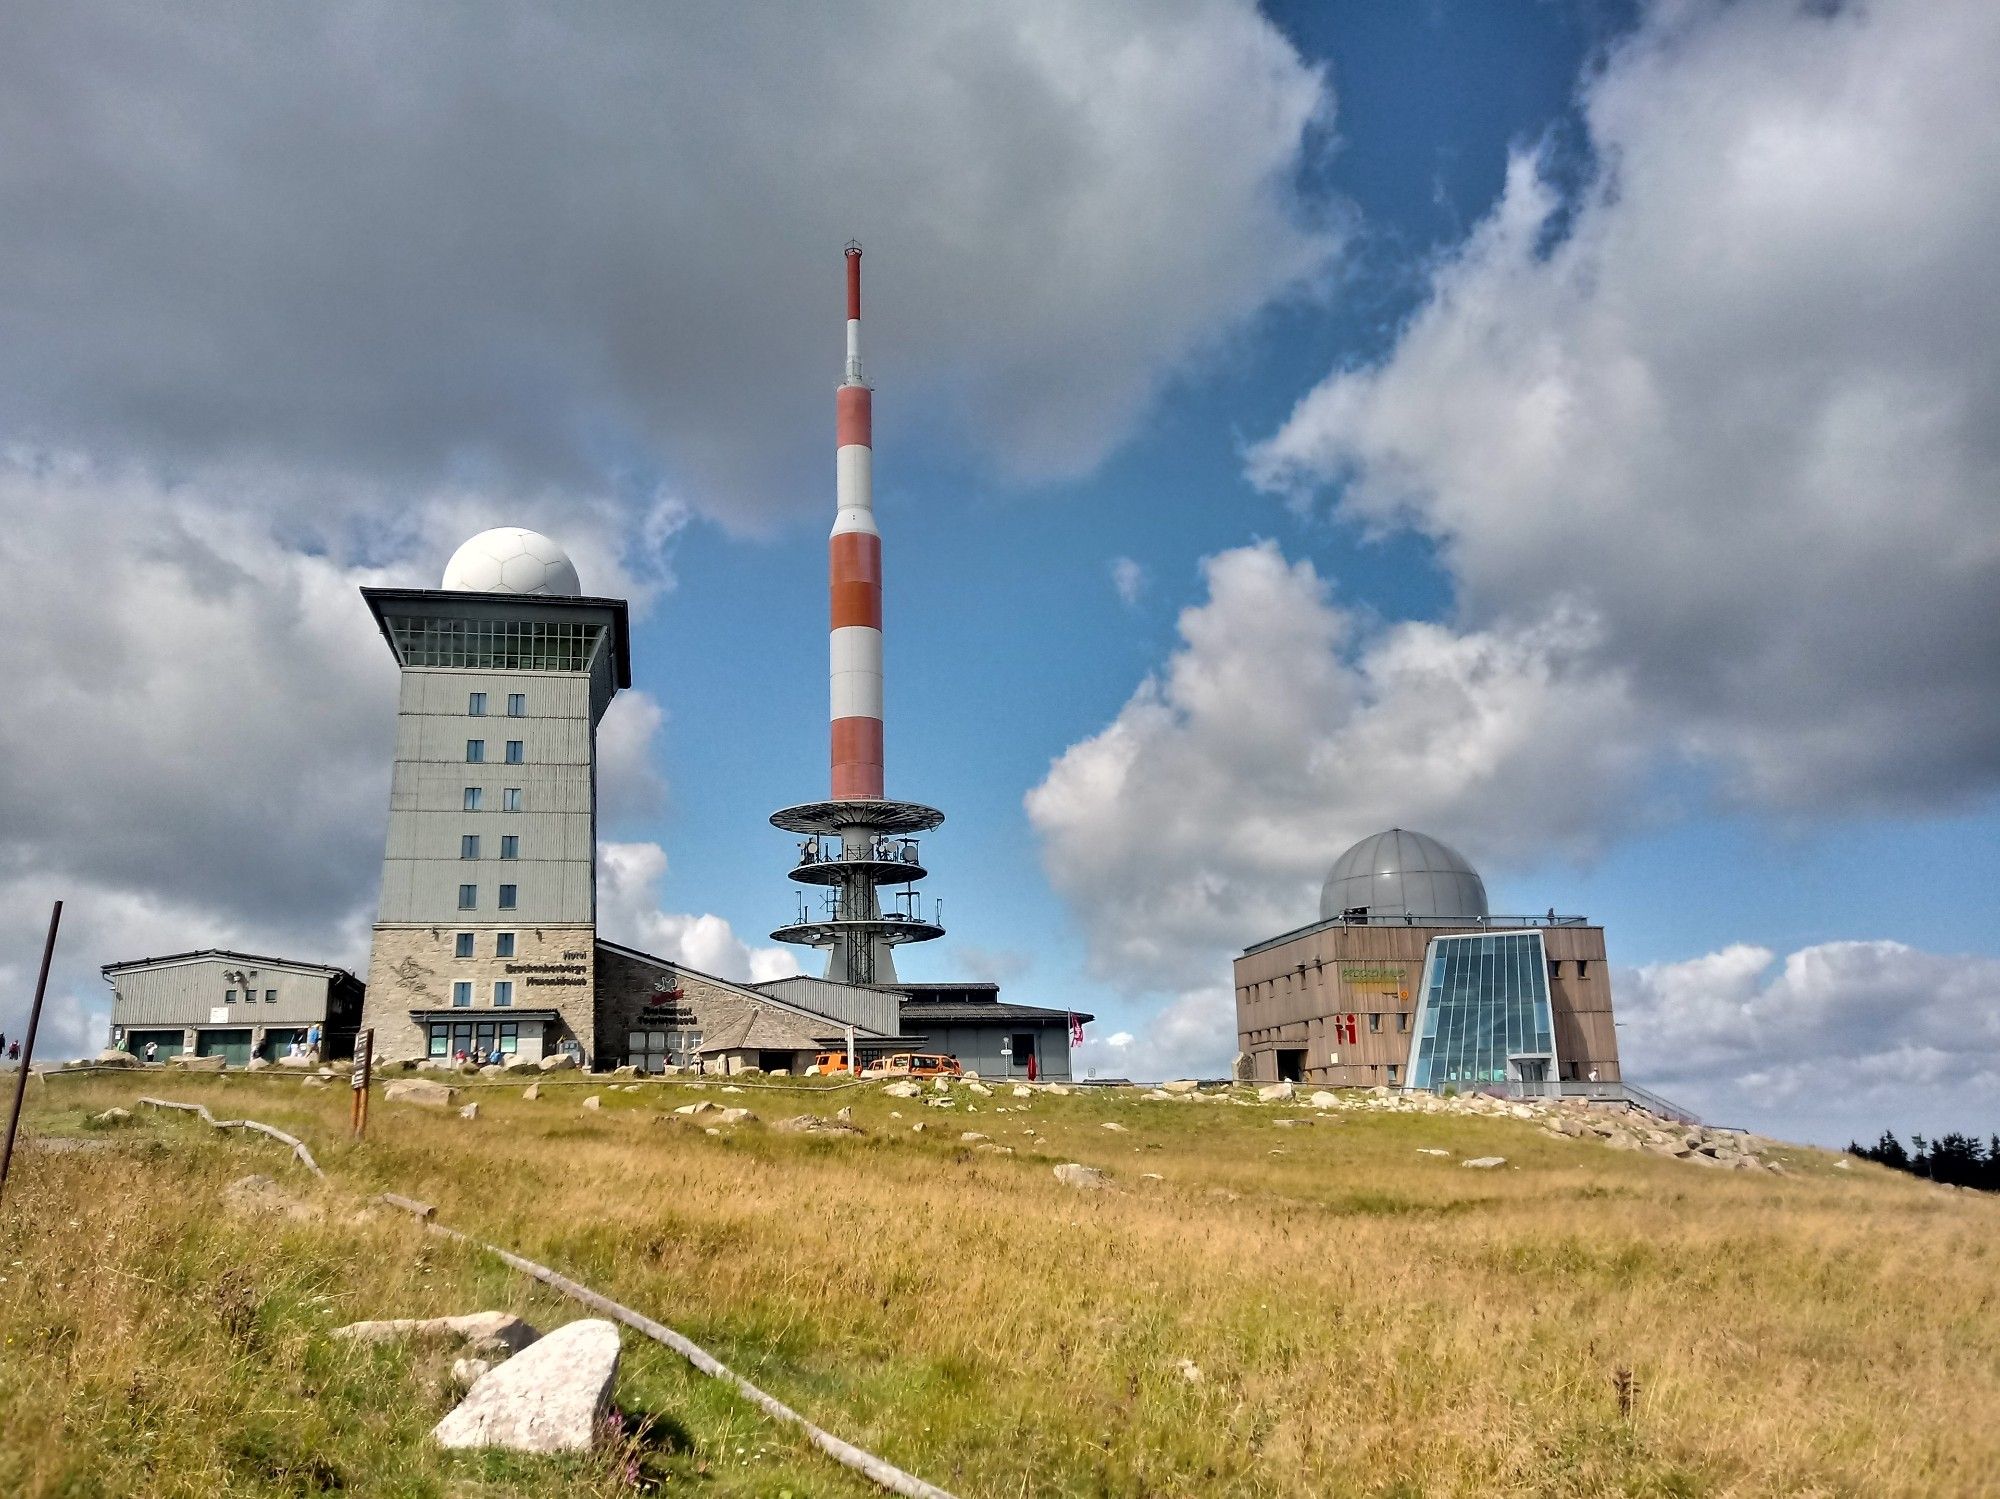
[(414, 967)]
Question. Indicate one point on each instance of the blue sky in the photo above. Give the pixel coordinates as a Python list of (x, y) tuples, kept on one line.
[(1564, 427)]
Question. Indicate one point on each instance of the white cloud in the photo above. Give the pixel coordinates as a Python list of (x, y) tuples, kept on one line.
[(629, 876), (1841, 1040), (1128, 580), (1189, 1035), (1738, 400), (1283, 728), (541, 249)]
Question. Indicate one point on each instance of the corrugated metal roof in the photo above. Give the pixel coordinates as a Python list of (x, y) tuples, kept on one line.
[(980, 1012)]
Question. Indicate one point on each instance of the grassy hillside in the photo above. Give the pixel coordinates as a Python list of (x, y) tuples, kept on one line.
[(1364, 1319)]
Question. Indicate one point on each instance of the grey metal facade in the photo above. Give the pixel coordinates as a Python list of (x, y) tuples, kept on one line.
[(986, 1047), (871, 1010), (192, 993)]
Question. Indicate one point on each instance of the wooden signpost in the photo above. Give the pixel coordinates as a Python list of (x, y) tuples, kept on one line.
[(364, 1067)]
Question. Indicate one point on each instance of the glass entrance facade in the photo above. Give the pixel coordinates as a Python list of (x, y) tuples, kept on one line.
[(1483, 1012), (475, 1038)]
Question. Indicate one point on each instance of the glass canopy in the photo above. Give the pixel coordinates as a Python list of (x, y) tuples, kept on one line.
[(1483, 1012)]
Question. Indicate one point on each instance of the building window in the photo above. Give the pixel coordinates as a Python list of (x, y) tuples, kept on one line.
[(1583, 968), (229, 996), (503, 993), (1403, 1020), (506, 897), (510, 846), (510, 799), (1392, 1072), (475, 751), (517, 705), (468, 897), (516, 751), (1374, 1022), (461, 995), (480, 1038), (474, 796), (468, 846), (270, 996), (503, 944), (463, 949), (475, 706)]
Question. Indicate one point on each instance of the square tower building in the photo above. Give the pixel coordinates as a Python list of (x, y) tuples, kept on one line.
[(485, 939)]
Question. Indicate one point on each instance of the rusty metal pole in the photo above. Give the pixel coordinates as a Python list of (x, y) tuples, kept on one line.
[(364, 1067), (28, 1047)]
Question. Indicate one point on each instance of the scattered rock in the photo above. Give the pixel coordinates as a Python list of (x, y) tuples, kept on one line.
[(1243, 1069), (492, 1335), (813, 1124), (1275, 1092), (1180, 1086), (1073, 1174), (532, 1092), (1484, 1162), (1020, 1092), (980, 1088), (196, 1064), (111, 1056), (1324, 1100), (1290, 1123), (729, 1088), (470, 1111), (1058, 1089), (903, 1089), (111, 1116), (845, 1116), (466, 1372), (917, 1128), (735, 1116), (942, 1103), (1431, 1150), (550, 1398), (419, 1090), (704, 1107), (593, 1102), (1843, 1165), (940, 1085), (491, 1069), (1114, 1125), (562, 1061), (1151, 1176), (1188, 1370), (989, 1148), (317, 1082), (972, 1137)]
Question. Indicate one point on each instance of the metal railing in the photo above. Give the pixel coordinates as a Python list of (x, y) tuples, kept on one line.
[(1458, 924)]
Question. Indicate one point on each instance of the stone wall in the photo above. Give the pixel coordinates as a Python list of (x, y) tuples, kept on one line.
[(413, 967), (626, 986)]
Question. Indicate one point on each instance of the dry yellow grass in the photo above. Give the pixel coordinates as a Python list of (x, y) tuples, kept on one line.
[(1365, 1320)]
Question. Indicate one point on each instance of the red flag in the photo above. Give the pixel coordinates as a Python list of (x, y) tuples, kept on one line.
[(1075, 1030)]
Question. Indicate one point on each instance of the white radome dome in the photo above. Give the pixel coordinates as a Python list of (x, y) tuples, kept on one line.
[(1401, 873), (511, 559)]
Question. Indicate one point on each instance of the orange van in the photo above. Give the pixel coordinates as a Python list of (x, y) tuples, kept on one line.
[(914, 1064)]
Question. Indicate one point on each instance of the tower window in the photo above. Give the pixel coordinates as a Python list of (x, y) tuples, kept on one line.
[(510, 846), (461, 994), (468, 846), (475, 705), (510, 799), (462, 948), (1374, 1022), (270, 996), (506, 897), (503, 944), (229, 996), (1583, 968), (516, 751), (503, 992), (468, 897), (474, 797), (517, 705), (475, 751)]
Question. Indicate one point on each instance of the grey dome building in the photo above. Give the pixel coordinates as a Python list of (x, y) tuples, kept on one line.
[(1403, 874)]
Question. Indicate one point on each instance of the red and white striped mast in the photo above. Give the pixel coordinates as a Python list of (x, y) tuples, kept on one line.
[(858, 842), (854, 573)]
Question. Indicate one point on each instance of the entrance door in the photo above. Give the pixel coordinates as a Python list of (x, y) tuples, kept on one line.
[(1292, 1065), (1021, 1050), (232, 1046)]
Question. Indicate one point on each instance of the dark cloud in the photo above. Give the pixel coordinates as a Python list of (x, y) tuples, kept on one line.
[(523, 246)]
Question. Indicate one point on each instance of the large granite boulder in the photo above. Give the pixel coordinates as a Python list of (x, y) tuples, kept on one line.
[(550, 1398), (112, 1057), (419, 1090), (561, 1061), (1088, 1178), (1180, 1085), (196, 1064), (1275, 1092)]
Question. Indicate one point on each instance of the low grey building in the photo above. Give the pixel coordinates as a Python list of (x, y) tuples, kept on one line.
[(234, 1005), (988, 1036)]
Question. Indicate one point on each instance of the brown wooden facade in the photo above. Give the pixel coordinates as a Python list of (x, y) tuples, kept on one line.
[(1293, 998)]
